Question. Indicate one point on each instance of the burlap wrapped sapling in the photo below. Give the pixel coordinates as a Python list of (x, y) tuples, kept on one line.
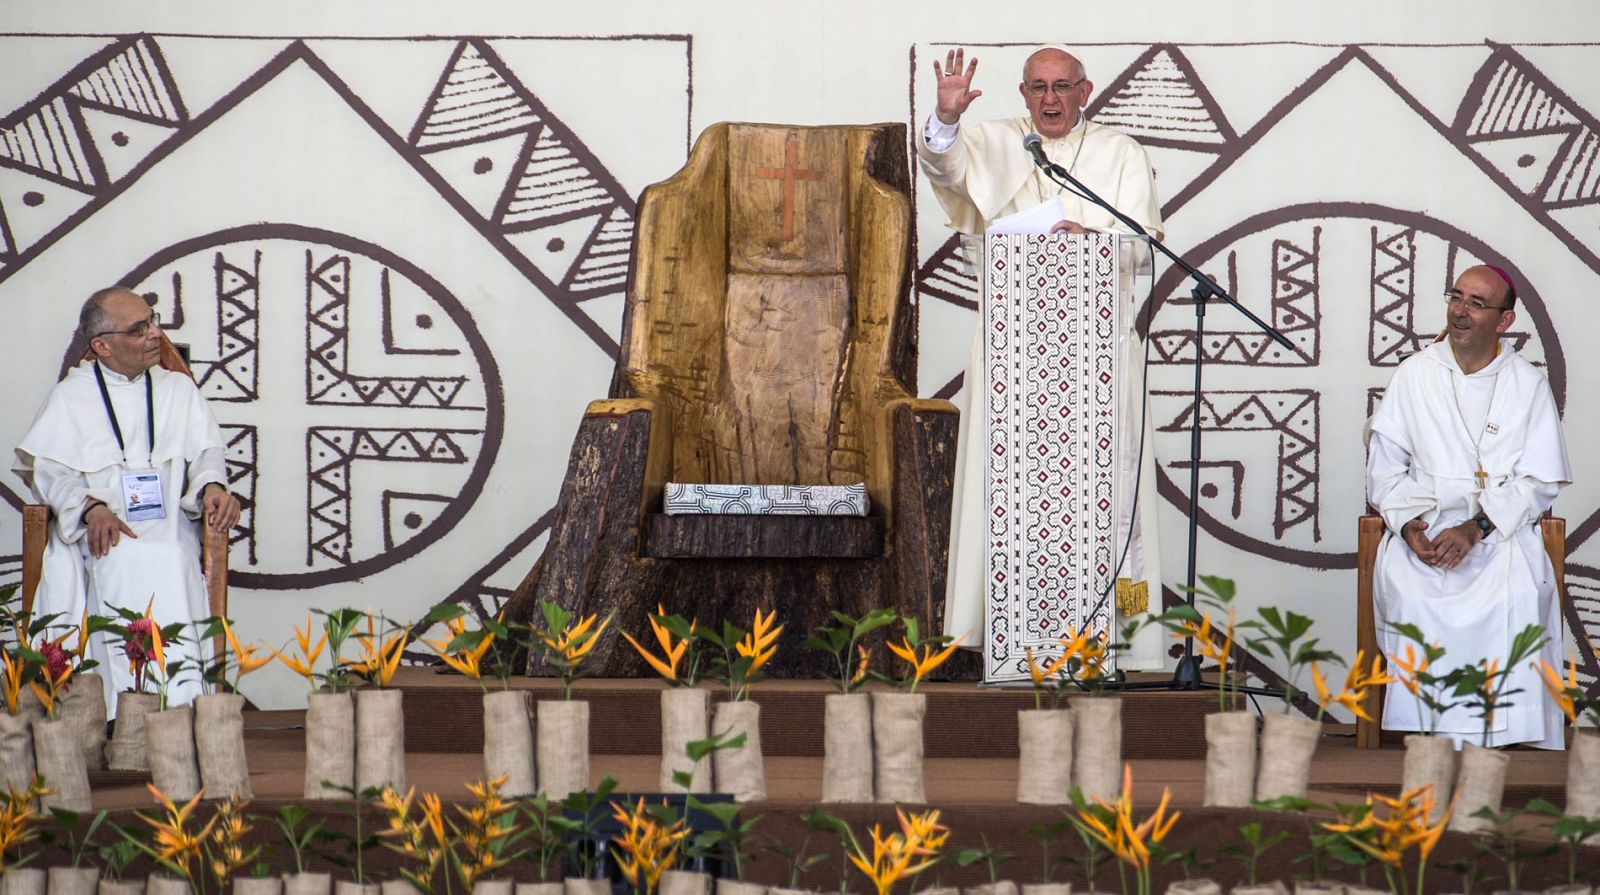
[(685, 708), (897, 718), (562, 727), (739, 659), (847, 761)]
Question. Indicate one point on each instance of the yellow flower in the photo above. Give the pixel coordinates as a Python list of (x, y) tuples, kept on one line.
[(308, 653), (1130, 842), (926, 662), (244, 656), (11, 680), (1560, 690), (379, 659), (1201, 631), (671, 654), (760, 644), (1410, 665), (577, 640), (468, 661), (1356, 684), (1049, 671), (174, 844), (861, 666), (651, 847)]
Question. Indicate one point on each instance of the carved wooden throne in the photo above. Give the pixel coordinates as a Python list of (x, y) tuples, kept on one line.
[(769, 337)]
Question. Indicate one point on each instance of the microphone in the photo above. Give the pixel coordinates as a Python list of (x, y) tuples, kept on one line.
[(1034, 144)]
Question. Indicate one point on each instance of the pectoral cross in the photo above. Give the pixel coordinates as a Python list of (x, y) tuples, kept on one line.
[(1481, 476)]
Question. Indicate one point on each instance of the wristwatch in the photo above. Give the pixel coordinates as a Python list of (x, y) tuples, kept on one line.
[(1483, 523)]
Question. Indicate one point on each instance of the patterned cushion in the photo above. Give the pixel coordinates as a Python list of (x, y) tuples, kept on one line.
[(767, 500)]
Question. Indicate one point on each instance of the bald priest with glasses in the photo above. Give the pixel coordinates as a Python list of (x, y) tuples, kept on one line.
[(1464, 454), (128, 457)]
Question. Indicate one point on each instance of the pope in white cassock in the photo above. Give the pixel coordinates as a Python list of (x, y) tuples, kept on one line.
[(980, 173), (124, 497), (1464, 454)]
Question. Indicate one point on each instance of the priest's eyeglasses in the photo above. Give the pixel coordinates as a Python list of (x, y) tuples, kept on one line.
[(1037, 89), (138, 330), (1453, 298)]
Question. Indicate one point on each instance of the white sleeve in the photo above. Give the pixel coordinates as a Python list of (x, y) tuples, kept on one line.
[(1398, 496), (1516, 503), (939, 136), (207, 468), (66, 491)]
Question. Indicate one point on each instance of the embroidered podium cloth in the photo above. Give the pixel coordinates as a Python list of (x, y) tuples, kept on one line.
[(1052, 317)]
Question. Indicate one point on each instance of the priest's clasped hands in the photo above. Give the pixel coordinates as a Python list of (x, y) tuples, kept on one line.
[(1448, 548)]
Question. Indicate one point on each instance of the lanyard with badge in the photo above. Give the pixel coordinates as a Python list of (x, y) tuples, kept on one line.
[(142, 495)]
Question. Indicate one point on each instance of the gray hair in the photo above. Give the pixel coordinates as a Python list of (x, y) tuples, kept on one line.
[(93, 319), (1042, 48)]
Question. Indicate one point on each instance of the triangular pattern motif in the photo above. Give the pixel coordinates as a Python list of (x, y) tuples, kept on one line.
[(48, 141), (475, 101), (1296, 310), (330, 453), (604, 263), (1394, 260), (945, 276), (1160, 100), (134, 81), (1517, 100), (554, 183), (233, 375)]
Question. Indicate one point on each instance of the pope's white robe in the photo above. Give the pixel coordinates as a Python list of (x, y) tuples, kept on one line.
[(1421, 464), (980, 173), (69, 457)]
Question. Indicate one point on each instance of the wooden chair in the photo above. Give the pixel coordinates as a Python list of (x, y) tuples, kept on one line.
[(769, 337), (214, 544), (1369, 535)]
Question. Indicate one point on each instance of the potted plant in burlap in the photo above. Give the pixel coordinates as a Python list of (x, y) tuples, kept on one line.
[(1583, 754), (650, 842), (380, 716), (740, 660), (578, 823), (1112, 826), (1481, 780), (219, 716), (562, 726), (1430, 759), (16, 725), (1096, 715), (897, 716), (1288, 741), (19, 827), (330, 709), (847, 713), (507, 718), (300, 838), (83, 703), (469, 849), (1044, 735), (546, 845), (57, 754), (685, 706), (135, 636), (1230, 732), (78, 877)]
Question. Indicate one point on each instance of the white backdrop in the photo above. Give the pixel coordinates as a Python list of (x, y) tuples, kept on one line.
[(395, 236)]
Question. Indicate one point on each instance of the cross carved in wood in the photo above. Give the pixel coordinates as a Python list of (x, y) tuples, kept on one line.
[(789, 173)]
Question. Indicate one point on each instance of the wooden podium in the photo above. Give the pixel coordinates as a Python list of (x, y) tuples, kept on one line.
[(1057, 347)]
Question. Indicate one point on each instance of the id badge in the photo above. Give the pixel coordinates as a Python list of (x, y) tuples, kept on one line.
[(142, 496)]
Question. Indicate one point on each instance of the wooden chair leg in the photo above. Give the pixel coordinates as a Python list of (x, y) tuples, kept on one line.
[(1369, 535)]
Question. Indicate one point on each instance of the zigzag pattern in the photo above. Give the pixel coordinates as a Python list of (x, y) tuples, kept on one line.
[(1393, 299), (233, 376), (330, 452), (328, 380)]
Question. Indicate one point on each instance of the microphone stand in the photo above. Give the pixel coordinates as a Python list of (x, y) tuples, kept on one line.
[(1187, 674)]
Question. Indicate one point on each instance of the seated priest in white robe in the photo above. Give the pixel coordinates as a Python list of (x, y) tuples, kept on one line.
[(980, 172), (1465, 453), (124, 497)]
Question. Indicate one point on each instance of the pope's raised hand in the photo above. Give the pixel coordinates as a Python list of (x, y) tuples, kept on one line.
[(955, 85)]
